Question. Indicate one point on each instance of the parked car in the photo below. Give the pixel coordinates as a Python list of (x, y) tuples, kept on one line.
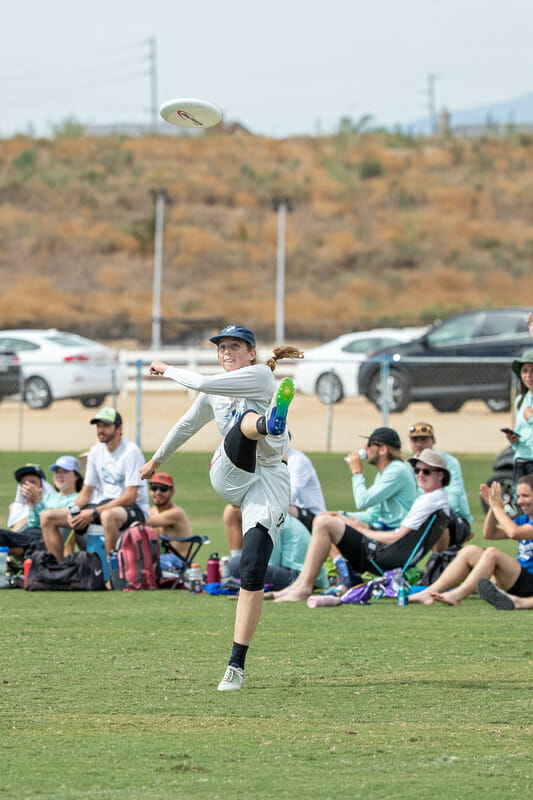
[(331, 369), (467, 357), (9, 374), (56, 365)]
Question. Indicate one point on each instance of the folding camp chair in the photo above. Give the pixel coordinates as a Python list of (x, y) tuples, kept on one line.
[(195, 543), (410, 548)]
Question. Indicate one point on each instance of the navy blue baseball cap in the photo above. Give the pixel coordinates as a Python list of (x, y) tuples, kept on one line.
[(235, 332)]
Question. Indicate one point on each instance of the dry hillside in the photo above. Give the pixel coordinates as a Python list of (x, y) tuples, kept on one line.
[(384, 229)]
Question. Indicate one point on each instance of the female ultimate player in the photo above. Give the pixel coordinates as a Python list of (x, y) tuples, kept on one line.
[(247, 469)]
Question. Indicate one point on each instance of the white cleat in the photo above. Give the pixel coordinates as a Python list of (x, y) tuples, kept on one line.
[(233, 679)]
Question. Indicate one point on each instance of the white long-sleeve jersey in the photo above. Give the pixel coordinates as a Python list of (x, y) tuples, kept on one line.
[(225, 397)]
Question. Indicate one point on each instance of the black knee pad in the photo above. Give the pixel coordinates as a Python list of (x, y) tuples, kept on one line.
[(256, 551), (239, 449)]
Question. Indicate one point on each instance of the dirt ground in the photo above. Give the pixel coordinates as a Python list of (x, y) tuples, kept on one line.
[(65, 425)]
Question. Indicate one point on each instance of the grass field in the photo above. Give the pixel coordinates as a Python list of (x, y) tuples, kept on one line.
[(110, 694)]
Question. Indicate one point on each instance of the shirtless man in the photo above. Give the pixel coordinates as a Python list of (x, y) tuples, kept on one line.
[(166, 517)]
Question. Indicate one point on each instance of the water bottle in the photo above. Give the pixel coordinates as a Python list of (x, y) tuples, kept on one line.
[(403, 596), (342, 569), (195, 579), (224, 567), (213, 568), (3, 567)]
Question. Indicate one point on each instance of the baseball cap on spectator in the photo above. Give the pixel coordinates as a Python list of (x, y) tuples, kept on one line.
[(235, 332), (107, 414), (386, 436), (163, 478), (434, 460), (29, 469), (66, 462), (421, 429)]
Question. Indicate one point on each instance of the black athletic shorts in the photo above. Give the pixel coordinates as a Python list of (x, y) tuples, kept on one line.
[(353, 547), (523, 586)]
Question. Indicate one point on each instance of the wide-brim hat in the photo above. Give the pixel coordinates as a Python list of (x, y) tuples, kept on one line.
[(518, 363), (434, 460)]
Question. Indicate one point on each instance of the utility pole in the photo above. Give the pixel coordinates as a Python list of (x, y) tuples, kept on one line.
[(281, 205), (154, 110), (159, 195), (432, 102)]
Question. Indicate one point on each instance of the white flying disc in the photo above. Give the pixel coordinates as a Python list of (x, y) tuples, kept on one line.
[(188, 113)]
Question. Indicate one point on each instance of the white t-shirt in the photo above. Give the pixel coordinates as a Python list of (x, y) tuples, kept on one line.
[(225, 397), (109, 473), (424, 506), (306, 491)]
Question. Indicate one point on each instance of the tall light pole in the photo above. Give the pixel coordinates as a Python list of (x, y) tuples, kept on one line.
[(282, 205), (160, 195), (154, 111)]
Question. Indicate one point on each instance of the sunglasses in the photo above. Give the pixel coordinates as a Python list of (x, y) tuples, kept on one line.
[(155, 486), (425, 471), (420, 430), (373, 443)]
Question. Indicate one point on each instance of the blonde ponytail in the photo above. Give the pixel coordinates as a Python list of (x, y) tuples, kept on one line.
[(285, 351)]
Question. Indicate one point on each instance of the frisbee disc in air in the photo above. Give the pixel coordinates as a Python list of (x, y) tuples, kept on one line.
[(189, 113)]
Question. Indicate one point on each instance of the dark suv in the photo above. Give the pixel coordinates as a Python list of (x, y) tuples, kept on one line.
[(467, 357), (9, 374)]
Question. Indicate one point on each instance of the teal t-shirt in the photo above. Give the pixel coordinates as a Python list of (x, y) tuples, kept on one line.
[(291, 548), (389, 498), (524, 428), (51, 500)]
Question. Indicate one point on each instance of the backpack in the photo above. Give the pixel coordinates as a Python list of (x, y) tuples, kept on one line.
[(78, 572), (137, 560), (437, 563)]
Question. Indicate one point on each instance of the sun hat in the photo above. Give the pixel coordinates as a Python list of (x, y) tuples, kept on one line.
[(69, 463), (421, 429), (434, 460), (163, 478), (386, 436), (518, 363), (29, 469), (235, 332), (107, 414)]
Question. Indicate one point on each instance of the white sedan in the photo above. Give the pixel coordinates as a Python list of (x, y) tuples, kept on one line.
[(56, 365), (331, 369)]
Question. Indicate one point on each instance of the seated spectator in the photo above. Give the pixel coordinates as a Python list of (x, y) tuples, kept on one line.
[(306, 499), (167, 518), (288, 556), (472, 563), (113, 493), (68, 481), (20, 536), (421, 437), (355, 543), (384, 504)]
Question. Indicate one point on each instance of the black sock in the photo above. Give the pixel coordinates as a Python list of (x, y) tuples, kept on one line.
[(261, 425), (238, 655)]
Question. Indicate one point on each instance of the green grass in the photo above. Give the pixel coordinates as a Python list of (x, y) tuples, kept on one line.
[(113, 695)]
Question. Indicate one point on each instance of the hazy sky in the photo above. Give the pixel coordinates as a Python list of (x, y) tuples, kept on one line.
[(281, 67)]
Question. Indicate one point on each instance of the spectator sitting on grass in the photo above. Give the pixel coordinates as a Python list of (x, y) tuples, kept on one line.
[(422, 436), (356, 544), (167, 518), (473, 563), (19, 536)]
